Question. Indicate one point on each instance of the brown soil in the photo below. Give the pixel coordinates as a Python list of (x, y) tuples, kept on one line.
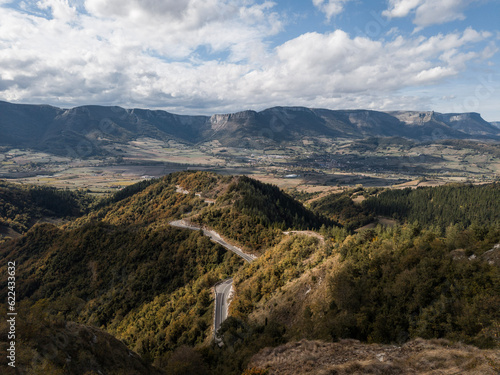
[(353, 357)]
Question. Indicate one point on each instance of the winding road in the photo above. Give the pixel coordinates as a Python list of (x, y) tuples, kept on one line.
[(214, 236), (222, 288)]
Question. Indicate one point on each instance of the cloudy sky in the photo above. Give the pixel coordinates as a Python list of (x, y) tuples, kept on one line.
[(218, 56)]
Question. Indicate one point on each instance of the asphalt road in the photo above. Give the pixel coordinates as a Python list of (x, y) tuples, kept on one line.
[(222, 291), (214, 236), (222, 288)]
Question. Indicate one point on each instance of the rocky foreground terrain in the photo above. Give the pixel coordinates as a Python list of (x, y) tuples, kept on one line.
[(353, 357)]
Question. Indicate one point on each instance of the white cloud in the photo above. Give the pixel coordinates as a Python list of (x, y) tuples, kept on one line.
[(330, 7), (172, 9), (335, 63), (117, 55), (60, 9), (428, 12), (174, 28), (401, 8)]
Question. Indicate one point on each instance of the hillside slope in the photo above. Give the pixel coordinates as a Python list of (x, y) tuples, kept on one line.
[(124, 269), (441, 206), (23, 206), (57, 347), (352, 357), (246, 211)]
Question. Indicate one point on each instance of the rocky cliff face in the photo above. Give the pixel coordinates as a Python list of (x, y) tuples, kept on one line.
[(413, 117), (469, 123), (219, 122), (53, 129)]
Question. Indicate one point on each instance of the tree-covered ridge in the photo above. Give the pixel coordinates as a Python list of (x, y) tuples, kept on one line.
[(101, 274), (463, 204), (89, 261), (127, 191), (123, 268), (209, 184), (171, 320), (285, 262), (144, 204), (441, 206), (341, 207), (386, 285), (244, 210), (254, 214), (193, 181), (400, 283), (270, 205), (21, 206)]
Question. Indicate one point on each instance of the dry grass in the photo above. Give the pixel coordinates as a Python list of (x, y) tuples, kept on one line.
[(352, 357), (288, 303)]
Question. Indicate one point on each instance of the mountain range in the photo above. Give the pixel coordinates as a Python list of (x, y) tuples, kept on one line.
[(48, 128)]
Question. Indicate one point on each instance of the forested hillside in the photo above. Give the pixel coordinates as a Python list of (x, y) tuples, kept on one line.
[(124, 269), (341, 207), (254, 214), (22, 206), (441, 206), (387, 285), (462, 204), (246, 211)]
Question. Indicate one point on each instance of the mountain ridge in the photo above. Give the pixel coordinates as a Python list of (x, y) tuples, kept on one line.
[(52, 129)]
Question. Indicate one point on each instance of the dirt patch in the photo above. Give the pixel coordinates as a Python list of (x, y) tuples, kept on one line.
[(384, 221), (309, 233), (353, 357), (492, 256), (8, 232), (358, 199)]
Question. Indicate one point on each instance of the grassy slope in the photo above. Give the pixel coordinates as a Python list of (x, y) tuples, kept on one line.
[(352, 357)]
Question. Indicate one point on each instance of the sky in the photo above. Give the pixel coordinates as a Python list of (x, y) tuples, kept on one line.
[(222, 56)]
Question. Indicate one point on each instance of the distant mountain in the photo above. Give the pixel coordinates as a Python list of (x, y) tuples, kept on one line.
[(56, 130), (496, 123), (282, 124)]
